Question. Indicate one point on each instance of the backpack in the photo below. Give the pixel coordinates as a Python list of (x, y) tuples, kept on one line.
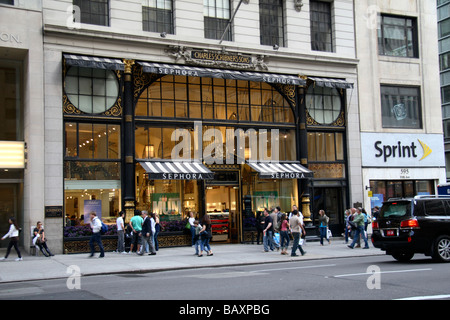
[(104, 228)]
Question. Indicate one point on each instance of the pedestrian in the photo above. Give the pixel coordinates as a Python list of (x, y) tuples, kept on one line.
[(296, 225), (347, 226), (191, 220), (197, 239), (157, 230), (268, 231), (146, 235), (206, 235), (276, 229), (40, 240), (136, 227), (375, 212), (259, 226), (96, 236), (284, 233), (358, 220), (323, 228), (120, 233), (13, 235)]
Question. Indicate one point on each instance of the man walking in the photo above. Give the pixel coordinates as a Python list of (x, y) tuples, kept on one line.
[(296, 224), (268, 231), (147, 235), (96, 236), (120, 233), (136, 226), (358, 220)]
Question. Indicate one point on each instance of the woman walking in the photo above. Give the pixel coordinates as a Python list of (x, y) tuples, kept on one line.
[(323, 220), (206, 235), (13, 235), (284, 233)]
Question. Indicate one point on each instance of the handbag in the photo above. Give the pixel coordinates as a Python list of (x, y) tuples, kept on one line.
[(188, 225)]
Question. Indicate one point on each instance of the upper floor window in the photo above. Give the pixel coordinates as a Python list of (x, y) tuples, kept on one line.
[(11, 2), (397, 37), (157, 16), (271, 22), (400, 107), (217, 14), (321, 26), (93, 11)]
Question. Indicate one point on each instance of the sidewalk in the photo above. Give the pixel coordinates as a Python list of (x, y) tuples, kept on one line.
[(39, 268)]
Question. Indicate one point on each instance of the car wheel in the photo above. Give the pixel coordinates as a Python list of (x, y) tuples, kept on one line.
[(442, 249), (402, 256)]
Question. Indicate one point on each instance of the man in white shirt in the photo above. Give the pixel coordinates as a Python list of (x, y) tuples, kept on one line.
[(96, 236), (120, 233)]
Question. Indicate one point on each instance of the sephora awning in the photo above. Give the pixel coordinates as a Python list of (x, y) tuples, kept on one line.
[(331, 83), (191, 71), (281, 170), (176, 170), (93, 62)]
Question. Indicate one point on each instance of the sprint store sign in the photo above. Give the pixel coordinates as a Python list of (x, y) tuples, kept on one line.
[(402, 150)]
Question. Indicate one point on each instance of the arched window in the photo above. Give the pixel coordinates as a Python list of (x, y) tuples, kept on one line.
[(324, 104)]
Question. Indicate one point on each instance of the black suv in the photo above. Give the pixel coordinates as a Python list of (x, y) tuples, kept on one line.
[(414, 225)]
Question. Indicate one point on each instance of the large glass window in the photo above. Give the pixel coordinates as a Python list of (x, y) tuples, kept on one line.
[(216, 16), (11, 110), (383, 190), (321, 26), (324, 104), (219, 99), (92, 91), (397, 36), (326, 154), (401, 107), (93, 11), (271, 22), (157, 16)]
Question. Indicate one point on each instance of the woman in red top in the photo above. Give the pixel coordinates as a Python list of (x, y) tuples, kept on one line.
[(284, 233)]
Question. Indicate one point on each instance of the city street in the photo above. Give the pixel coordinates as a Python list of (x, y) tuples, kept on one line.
[(356, 278)]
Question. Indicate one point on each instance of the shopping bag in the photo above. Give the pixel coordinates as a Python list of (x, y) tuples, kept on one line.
[(329, 234), (276, 238)]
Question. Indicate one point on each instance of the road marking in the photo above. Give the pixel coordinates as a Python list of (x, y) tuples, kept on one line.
[(294, 268), (382, 272), (440, 296)]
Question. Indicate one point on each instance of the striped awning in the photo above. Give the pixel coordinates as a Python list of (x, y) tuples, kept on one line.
[(176, 170), (281, 170), (191, 71), (331, 83), (93, 62)]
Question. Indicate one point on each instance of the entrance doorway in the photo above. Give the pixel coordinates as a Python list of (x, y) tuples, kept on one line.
[(10, 206), (223, 206)]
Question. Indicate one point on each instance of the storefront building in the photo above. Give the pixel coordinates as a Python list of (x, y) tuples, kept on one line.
[(169, 116), (402, 145)]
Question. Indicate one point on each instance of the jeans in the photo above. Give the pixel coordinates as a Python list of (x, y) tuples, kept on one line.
[(323, 234), (96, 237), (359, 231), (205, 243), (155, 240), (284, 236), (268, 240), (120, 241), (296, 245), (198, 244)]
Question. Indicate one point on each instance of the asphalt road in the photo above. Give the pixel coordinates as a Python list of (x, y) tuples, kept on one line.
[(364, 278)]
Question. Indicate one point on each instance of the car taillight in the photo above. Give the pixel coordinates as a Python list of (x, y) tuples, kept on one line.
[(375, 225), (411, 223)]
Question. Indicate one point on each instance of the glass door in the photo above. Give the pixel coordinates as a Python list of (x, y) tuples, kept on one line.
[(10, 206)]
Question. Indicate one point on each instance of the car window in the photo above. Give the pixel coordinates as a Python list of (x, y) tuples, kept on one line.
[(396, 209), (434, 208)]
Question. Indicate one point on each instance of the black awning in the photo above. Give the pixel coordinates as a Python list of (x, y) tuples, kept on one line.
[(331, 83), (281, 170), (93, 62), (177, 170), (192, 71)]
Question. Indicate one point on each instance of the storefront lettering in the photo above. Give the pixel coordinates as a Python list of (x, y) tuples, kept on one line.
[(9, 37), (399, 150), (179, 72), (182, 176), (217, 56), (279, 80), (287, 175)]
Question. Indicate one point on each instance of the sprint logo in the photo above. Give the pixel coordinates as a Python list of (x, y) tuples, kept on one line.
[(401, 150)]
